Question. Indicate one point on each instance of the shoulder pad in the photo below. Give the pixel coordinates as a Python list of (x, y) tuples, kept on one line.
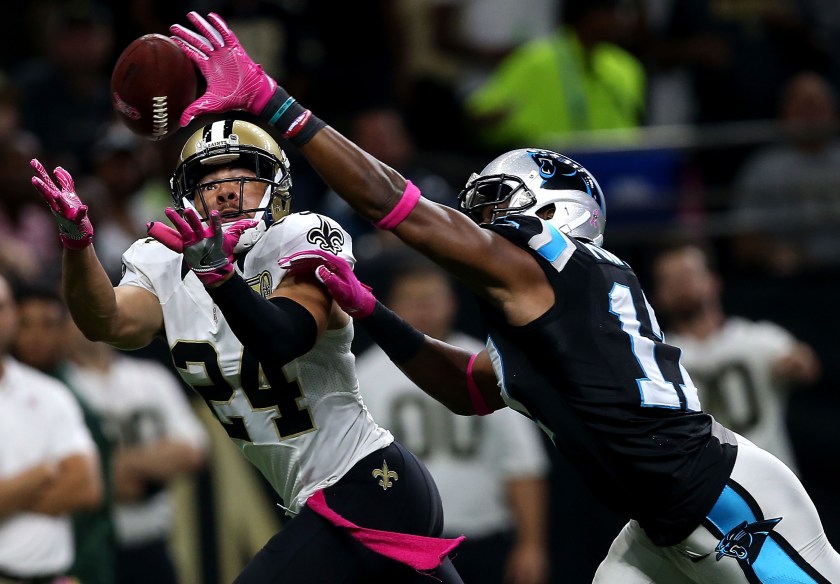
[(538, 235)]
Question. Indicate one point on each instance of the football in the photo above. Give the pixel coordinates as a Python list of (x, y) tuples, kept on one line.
[(152, 83)]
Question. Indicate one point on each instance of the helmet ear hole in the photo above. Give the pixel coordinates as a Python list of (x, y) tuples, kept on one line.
[(546, 212)]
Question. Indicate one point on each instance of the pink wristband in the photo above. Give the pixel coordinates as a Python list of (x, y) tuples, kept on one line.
[(479, 405), (406, 205)]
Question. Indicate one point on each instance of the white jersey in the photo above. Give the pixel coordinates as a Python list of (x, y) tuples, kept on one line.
[(40, 422), (470, 457), (303, 431), (732, 370), (140, 403)]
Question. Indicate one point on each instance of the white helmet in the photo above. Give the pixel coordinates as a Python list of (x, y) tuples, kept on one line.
[(526, 181), (234, 143)]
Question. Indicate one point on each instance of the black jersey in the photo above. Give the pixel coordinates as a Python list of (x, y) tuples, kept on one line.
[(595, 374)]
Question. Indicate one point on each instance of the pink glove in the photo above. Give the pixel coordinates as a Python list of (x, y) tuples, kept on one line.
[(74, 227), (234, 81), (208, 250), (355, 298)]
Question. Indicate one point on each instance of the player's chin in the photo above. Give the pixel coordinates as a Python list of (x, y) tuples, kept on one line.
[(233, 217)]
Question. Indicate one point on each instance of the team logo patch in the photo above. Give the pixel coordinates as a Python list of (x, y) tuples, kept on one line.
[(744, 541), (551, 165), (327, 237), (261, 284), (385, 475)]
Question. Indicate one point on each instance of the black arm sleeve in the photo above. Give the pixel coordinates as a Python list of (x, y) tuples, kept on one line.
[(275, 331), (397, 338)]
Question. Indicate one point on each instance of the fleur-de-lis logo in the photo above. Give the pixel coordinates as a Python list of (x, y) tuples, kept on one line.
[(326, 237), (386, 474)]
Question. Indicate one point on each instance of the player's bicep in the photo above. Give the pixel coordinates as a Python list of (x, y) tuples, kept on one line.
[(139, 317)]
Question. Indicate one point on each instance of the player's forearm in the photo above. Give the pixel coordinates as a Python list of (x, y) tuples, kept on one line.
[(439, 370), (160, 461), (21, 491), (369, 186), (528, 499), (77, 487), (443, 371), (276, 331), (89, 294)]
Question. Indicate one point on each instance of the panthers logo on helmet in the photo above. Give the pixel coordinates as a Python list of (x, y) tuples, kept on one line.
[(577, 178)]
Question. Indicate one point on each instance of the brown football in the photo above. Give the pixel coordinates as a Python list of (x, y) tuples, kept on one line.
[(152, 83)]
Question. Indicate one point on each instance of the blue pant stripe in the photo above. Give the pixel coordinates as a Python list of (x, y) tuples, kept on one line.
[(730, 510), (774, 565), (776, 561)]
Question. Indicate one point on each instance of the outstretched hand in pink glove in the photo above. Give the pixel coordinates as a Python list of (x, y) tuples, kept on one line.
[(234, 81), (74, 228), (207, 249), (355, 298)]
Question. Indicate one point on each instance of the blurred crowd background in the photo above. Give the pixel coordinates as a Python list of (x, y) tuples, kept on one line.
[(710, 122)]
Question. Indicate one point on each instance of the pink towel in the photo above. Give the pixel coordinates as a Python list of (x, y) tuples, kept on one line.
[(417, 551)]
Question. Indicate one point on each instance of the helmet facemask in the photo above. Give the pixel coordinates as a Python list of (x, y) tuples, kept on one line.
[(506, 194), (238, 145)]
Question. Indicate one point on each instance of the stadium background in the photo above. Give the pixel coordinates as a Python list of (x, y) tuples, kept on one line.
[(673, 176)]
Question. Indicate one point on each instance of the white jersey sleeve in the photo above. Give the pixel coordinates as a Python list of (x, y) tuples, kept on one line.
[(150, 265)]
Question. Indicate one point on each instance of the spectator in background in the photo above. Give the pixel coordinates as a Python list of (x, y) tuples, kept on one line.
[(159, 439), (742, 369), (41, 343), (26, 251), (333, 46), (786, 207), (129, 191), (66, 91), (739, 54), (490, 471), (452, 46), (48, 465), (477, 34), (576, 79)]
